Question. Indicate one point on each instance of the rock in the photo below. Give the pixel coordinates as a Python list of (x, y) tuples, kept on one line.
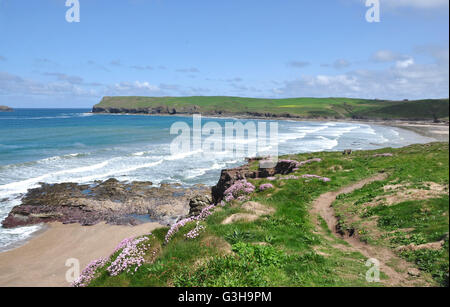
[(5, 109), (110, 201), (347, 152), (198, 203), (164, 110), (229, 176), (414, 272)]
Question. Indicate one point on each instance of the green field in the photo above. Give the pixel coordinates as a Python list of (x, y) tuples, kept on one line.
[(338, 108), (290, 246)]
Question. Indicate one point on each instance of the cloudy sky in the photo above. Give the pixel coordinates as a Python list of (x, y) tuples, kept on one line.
[(254, 48)]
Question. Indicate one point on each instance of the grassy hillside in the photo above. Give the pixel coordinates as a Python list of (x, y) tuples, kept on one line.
[(293, 107), (287, 245)]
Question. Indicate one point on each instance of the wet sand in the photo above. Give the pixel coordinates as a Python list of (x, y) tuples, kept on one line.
[(438, 132), (42, 261)]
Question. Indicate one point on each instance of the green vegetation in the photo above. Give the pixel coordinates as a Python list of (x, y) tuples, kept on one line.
[(410, 207), (431, 109), (289, 247)]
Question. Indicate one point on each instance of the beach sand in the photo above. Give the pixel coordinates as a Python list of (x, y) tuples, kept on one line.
[(438, 132), (42, 261)]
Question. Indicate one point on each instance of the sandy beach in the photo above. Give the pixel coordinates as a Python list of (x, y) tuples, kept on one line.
[(41, 261), (439, 132)]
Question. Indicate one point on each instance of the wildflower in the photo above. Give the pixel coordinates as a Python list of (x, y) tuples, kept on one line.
[(130, 258), (176, 227), (89, 272), (324, 179), (265, 186), (194, 233), (296, 164), (239, 190)]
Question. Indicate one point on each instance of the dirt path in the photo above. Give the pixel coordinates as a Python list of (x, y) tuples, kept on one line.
[(322, 206)]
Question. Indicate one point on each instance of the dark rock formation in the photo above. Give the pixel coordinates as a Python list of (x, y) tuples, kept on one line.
[(186, 110), (110, 201), (230, 176), (163, 110), (198, 203), (5, 109)]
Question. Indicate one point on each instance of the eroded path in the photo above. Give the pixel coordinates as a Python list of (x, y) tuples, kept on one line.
[(399, 276)]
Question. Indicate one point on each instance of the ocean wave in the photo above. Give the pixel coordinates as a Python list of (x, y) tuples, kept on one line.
[(61, 157), (197, 172), (62, 116), (9, 238)]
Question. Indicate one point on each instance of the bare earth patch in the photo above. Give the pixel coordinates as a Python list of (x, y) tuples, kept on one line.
[(218, 243), (240, 217), (403, 192)]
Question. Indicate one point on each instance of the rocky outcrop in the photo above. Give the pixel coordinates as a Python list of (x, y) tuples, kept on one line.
[(163, 110), (198, 203), (132, 203), (5, 109), (110, 201), (186, 110)]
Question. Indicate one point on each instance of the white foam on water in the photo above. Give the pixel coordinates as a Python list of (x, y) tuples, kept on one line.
[(56, 158), (10, 237), (197, 172)]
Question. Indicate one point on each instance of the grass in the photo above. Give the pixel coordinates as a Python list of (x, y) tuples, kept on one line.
[(287, 248), (430, 109)]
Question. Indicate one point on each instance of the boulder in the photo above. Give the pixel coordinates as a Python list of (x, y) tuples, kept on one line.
[(198, 203), (110, 201)]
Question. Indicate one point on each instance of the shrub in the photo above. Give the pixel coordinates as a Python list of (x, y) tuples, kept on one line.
[(239, 190)]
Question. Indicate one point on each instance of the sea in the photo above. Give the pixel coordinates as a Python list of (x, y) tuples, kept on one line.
[(75, 145)]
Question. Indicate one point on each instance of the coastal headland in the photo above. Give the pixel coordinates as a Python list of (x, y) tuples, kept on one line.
[(435, 110)]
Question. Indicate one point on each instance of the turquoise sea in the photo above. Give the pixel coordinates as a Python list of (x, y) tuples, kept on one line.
[(62, 145)]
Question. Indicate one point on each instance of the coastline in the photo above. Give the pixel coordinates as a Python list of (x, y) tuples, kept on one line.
[(437, 131), (41, 261)]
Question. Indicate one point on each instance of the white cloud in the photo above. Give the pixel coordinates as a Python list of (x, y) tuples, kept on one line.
[(384, 56), (134, 88), (404, 79), (11, 84)]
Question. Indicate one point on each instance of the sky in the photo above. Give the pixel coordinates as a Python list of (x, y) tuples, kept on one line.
[(250, 48)]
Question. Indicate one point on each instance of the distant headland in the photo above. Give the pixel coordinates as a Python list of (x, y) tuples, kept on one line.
[(436, 110)]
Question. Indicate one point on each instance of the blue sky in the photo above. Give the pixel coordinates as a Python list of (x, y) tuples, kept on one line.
[(253, 48)]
